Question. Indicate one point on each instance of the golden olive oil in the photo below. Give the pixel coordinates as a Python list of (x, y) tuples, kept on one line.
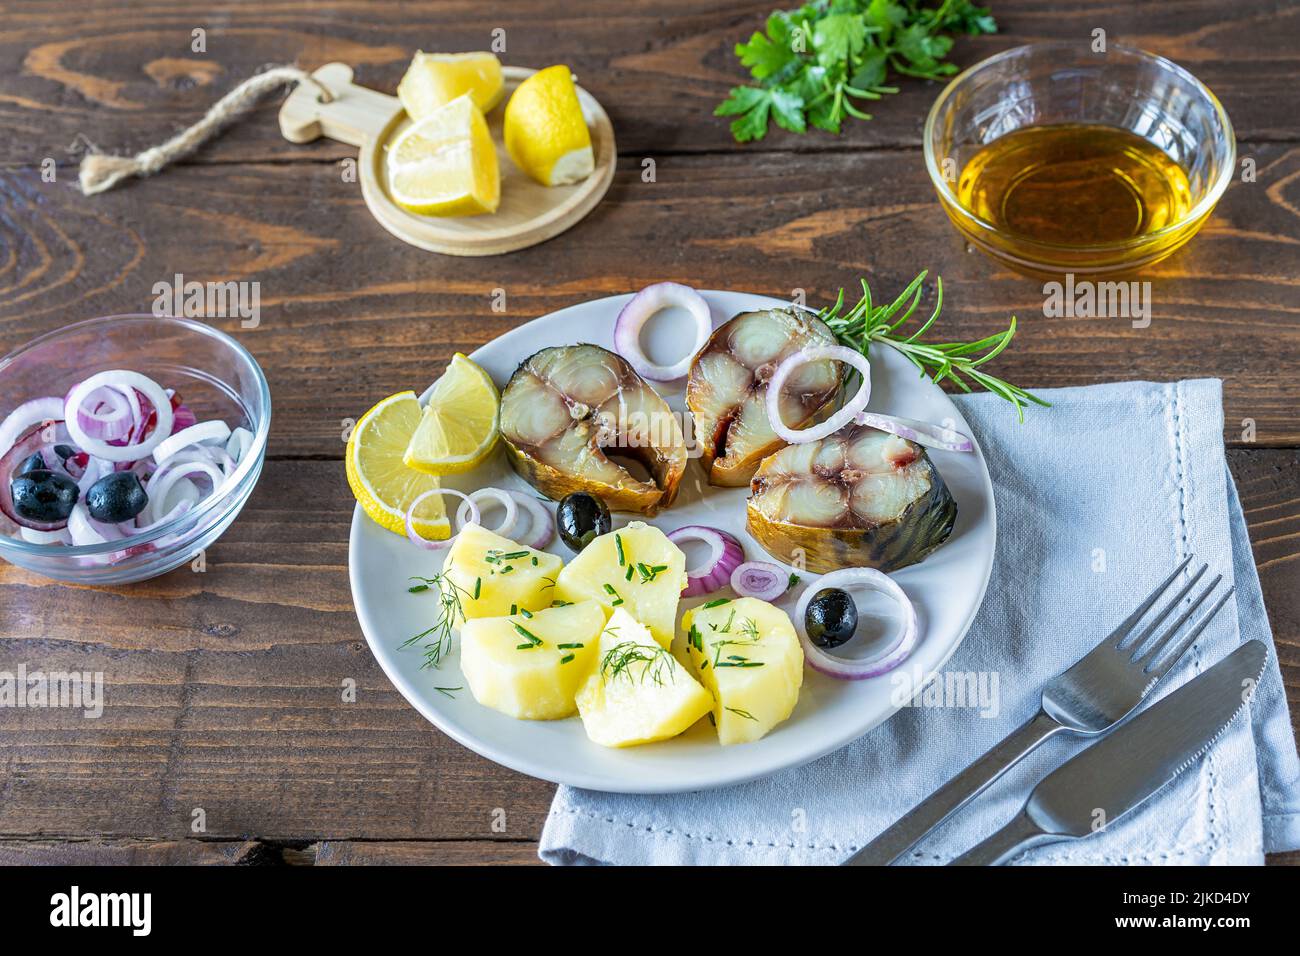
[(1074, 185)]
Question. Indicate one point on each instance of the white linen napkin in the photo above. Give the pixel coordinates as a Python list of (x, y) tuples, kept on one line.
[(1097, 499)]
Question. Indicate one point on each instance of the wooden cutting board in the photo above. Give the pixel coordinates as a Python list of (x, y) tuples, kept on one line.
[(529, 212)]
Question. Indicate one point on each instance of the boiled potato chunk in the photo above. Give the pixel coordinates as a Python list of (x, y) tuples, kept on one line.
[(746, 652), (530, 667), (650, 595), (637, 691), (502, 573)]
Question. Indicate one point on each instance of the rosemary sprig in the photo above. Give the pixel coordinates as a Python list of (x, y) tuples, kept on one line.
[(866, 323)]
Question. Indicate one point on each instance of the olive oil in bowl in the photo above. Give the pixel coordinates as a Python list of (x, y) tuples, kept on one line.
[(1074, 185)]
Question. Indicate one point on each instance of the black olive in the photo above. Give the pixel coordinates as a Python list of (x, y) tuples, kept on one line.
[(831, 618), (116, 497), (582, 517), (44, 496), (34, 463), (64, 451)]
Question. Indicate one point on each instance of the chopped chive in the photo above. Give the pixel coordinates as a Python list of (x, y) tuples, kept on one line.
[(616, 603), (514, 609), (618, 543), (515, 554), (525, 612), (569, 647), (524, 647), (566, 658), (609, 589), (534, 561), (628, 576), (478, 583), (718, 603), (524, 632), (507, 569)]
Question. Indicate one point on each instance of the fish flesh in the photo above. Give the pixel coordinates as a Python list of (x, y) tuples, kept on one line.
[(858, 498), (726, 390), (566, 405)]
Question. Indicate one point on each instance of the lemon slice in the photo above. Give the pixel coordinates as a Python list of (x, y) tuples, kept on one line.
[(433, 79), (384, 486), (461, 421), (445, 164), (545, 133)]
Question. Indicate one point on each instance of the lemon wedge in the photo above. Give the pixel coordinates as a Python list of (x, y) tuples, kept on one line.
[(461, 421), (433, 79), (445, 164), (545, 133), (381, 483)]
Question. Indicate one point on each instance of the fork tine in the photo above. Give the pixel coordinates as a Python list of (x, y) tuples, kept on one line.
[(1176, 654), (1136, 646), (1163, 640), (1117, 636)]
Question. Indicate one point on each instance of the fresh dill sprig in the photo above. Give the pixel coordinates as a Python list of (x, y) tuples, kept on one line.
[(620, 658), (438, 636), (447, 691), (866, 323), (741, 713)]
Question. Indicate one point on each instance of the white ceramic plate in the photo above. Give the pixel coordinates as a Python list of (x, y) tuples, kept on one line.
[(947, 589)]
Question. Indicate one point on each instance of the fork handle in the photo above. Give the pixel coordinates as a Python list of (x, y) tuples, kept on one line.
[(956, 793)]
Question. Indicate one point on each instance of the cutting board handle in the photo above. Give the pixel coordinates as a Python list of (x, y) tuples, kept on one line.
[(355, 115)]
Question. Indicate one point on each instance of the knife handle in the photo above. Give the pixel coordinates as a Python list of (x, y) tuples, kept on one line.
[(955, 794), (1020, 834)]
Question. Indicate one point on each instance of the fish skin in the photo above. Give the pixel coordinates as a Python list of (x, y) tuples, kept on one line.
[(565, 404), (904, 538)]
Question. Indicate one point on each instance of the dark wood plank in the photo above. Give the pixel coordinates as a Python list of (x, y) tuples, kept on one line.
[(123, 75), (424, 853), (223, 692), (132, 853), (349, 314)]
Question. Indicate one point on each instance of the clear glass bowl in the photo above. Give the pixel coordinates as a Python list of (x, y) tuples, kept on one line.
[(214, 375), (1054, 83)]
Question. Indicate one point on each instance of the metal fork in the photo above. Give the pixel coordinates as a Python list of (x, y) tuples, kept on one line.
[(1101, 689)]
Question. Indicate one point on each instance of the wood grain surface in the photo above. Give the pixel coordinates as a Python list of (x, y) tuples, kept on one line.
[(227, 686)]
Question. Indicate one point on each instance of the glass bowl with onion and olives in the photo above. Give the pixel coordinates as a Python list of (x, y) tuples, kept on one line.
[(128, 444)]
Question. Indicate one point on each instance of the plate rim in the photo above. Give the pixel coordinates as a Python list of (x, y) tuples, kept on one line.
[(603, 783)]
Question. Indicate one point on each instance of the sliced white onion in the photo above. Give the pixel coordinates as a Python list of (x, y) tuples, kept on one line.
[(508, 521), (211, 432), (923, 433), (542, 526), (168, 476), (119, 377), (241, 440), (83, 529), (725, 553), (846, 668), (760, 579), (837, 421), (642, 307), (180, 508), (425, 543), (22, 418), (62, 536), (183, 491)]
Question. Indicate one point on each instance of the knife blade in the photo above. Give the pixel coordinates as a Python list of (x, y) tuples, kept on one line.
[(1131, 764)]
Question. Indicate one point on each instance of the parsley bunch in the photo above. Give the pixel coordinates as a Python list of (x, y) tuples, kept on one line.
[(814, 61)]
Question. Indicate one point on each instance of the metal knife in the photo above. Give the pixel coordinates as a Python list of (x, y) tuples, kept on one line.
[(1131, 764)]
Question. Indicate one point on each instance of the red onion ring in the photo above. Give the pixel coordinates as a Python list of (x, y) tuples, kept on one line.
[(18, 422), (542, 527), (508, 522), (725, 555), (837, 421), (923, 433), (425, 543), (106, 412), (100, 449), (645, 305), (760, 579), (845, 668)]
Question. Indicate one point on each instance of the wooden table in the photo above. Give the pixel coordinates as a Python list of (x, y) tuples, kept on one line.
[(225, 686)]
